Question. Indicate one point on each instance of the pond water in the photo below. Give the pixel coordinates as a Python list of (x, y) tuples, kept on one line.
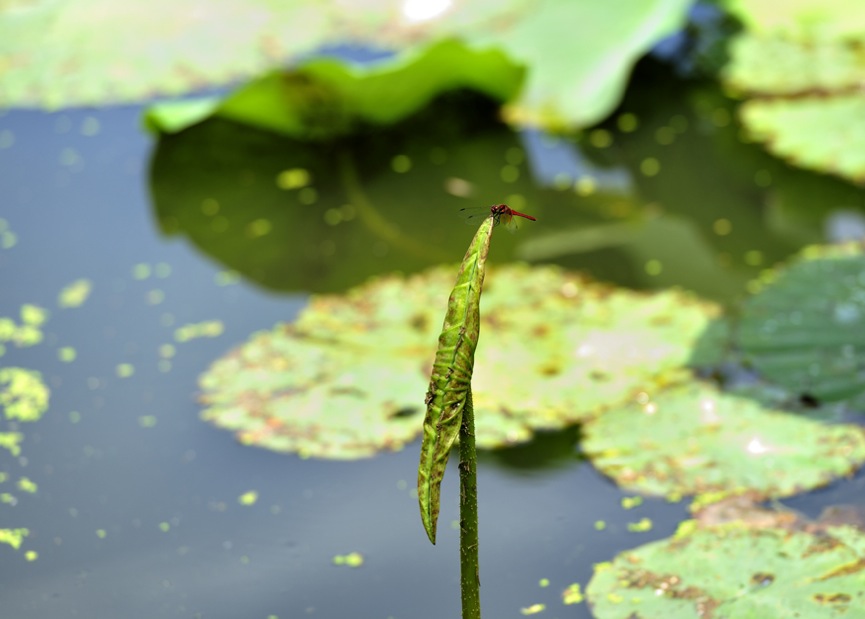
[(138, 511)]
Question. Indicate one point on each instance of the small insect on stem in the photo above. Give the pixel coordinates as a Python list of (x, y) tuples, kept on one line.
[(501, 214)]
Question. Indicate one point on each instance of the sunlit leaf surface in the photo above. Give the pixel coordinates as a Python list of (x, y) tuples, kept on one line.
[(695, 439), (803, 64), (805, 329), (348, 378), (735, 571)]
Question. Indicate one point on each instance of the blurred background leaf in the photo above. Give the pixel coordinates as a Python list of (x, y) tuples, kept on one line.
[(802, 68)]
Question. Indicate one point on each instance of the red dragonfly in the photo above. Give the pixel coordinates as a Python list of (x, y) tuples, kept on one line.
[(501, 213)]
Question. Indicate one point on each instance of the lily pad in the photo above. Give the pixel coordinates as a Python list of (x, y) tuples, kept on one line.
[(802, 18), (95, 52), (783, 66), (349, 377), (805, 329), (735, 571), (803, 64), (817, 133), (694, 439)]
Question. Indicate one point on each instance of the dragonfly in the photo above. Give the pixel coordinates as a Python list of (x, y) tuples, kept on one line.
[(501, 213)]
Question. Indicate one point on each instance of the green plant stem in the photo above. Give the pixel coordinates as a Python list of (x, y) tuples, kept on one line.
[(470, 582)]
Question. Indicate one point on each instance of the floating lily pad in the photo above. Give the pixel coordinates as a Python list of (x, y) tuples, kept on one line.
[(803, 63), (349, 377), (805, 329), (817, 19), (577, 58), (694, 439), (96, 52), (817, 133), (783, 66), (735, 571)]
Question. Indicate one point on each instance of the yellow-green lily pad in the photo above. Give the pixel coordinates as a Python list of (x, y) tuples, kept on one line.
[(783, 66), (694, 439), (803, 65), (94, 52), (820, 133), (819, 19), (735, 571), (805, 329), (348, 378)]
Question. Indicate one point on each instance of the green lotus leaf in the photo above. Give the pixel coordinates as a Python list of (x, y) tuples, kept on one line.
[(576, 57), (735, 571), (348, 378), (326, 97), (694, 439), (805, 328)]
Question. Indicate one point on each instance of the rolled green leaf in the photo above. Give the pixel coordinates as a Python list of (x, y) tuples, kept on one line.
[(451, 376)]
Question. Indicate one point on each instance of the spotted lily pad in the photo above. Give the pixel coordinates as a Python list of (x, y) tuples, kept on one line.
[(805, 329), (348, 378), (694, 439), (95, 52), (803, 64), (735, 571)]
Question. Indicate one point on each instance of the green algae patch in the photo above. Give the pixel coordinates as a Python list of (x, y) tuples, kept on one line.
[(23, 394), (195, 330), (344, 380), (248, 498), (804, 329), (28, 331), (352, 559), (693, 439), (735, 571), (75, 294), (802, 65), (11, 442), (8, 239), (124, 370), (13, 537)]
